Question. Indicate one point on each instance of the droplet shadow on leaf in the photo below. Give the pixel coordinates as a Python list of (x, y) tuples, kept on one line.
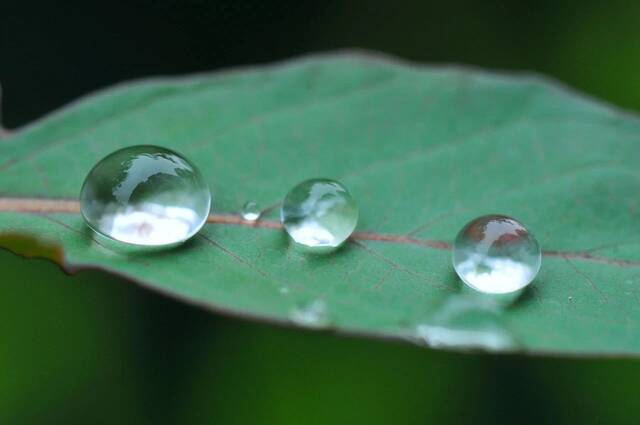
[(311, 256), (135, 251), (528, 294), (322, 258), (503, 301)]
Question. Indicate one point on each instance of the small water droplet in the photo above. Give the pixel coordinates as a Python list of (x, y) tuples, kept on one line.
[(284, 290), (145, 195), (496, 255), (312, 314), (319, 214), (250, 211)]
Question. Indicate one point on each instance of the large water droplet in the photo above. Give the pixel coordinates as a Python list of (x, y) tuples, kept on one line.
[(250, 211), (145, 195), (312, 314), (496, 254), (319, 214)]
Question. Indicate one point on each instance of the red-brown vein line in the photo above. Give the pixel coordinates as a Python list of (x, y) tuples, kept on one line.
[(586, 256), (68, 206), (37, 205), (399, 239)]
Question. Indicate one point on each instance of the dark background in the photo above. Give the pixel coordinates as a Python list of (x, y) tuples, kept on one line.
[(95, 349)]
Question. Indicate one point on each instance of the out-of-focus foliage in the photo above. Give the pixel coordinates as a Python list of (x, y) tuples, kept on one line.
[(93, 349)]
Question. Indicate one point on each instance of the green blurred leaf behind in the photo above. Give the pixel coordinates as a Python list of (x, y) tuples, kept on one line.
[(108, 352)]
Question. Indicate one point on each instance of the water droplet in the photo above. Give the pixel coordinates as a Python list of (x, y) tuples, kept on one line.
[(312, 314), (145, 195), (284, 290), (319, 214), (250, 211), (496, 254)]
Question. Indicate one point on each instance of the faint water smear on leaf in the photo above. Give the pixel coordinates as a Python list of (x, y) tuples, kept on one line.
[(312, 314), (464, 322), (284, 290)]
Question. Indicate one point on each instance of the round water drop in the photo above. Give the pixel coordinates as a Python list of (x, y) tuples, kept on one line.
[(319, 214), (145, 195), (250, 211), (496, 254)]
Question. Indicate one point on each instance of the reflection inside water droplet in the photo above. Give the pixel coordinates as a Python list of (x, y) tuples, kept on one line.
[(149, 224)]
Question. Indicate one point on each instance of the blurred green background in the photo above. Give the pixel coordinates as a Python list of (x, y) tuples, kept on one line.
[(92, 348)]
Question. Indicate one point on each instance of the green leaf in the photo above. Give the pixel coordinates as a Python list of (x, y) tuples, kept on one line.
[(422, 150)]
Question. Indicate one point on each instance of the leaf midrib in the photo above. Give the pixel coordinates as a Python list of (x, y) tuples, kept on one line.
[(70, 206)]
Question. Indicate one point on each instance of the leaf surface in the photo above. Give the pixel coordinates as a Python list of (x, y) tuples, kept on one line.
[(422, 150)]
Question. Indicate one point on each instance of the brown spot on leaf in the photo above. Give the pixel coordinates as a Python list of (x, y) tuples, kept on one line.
[(32, 247)]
